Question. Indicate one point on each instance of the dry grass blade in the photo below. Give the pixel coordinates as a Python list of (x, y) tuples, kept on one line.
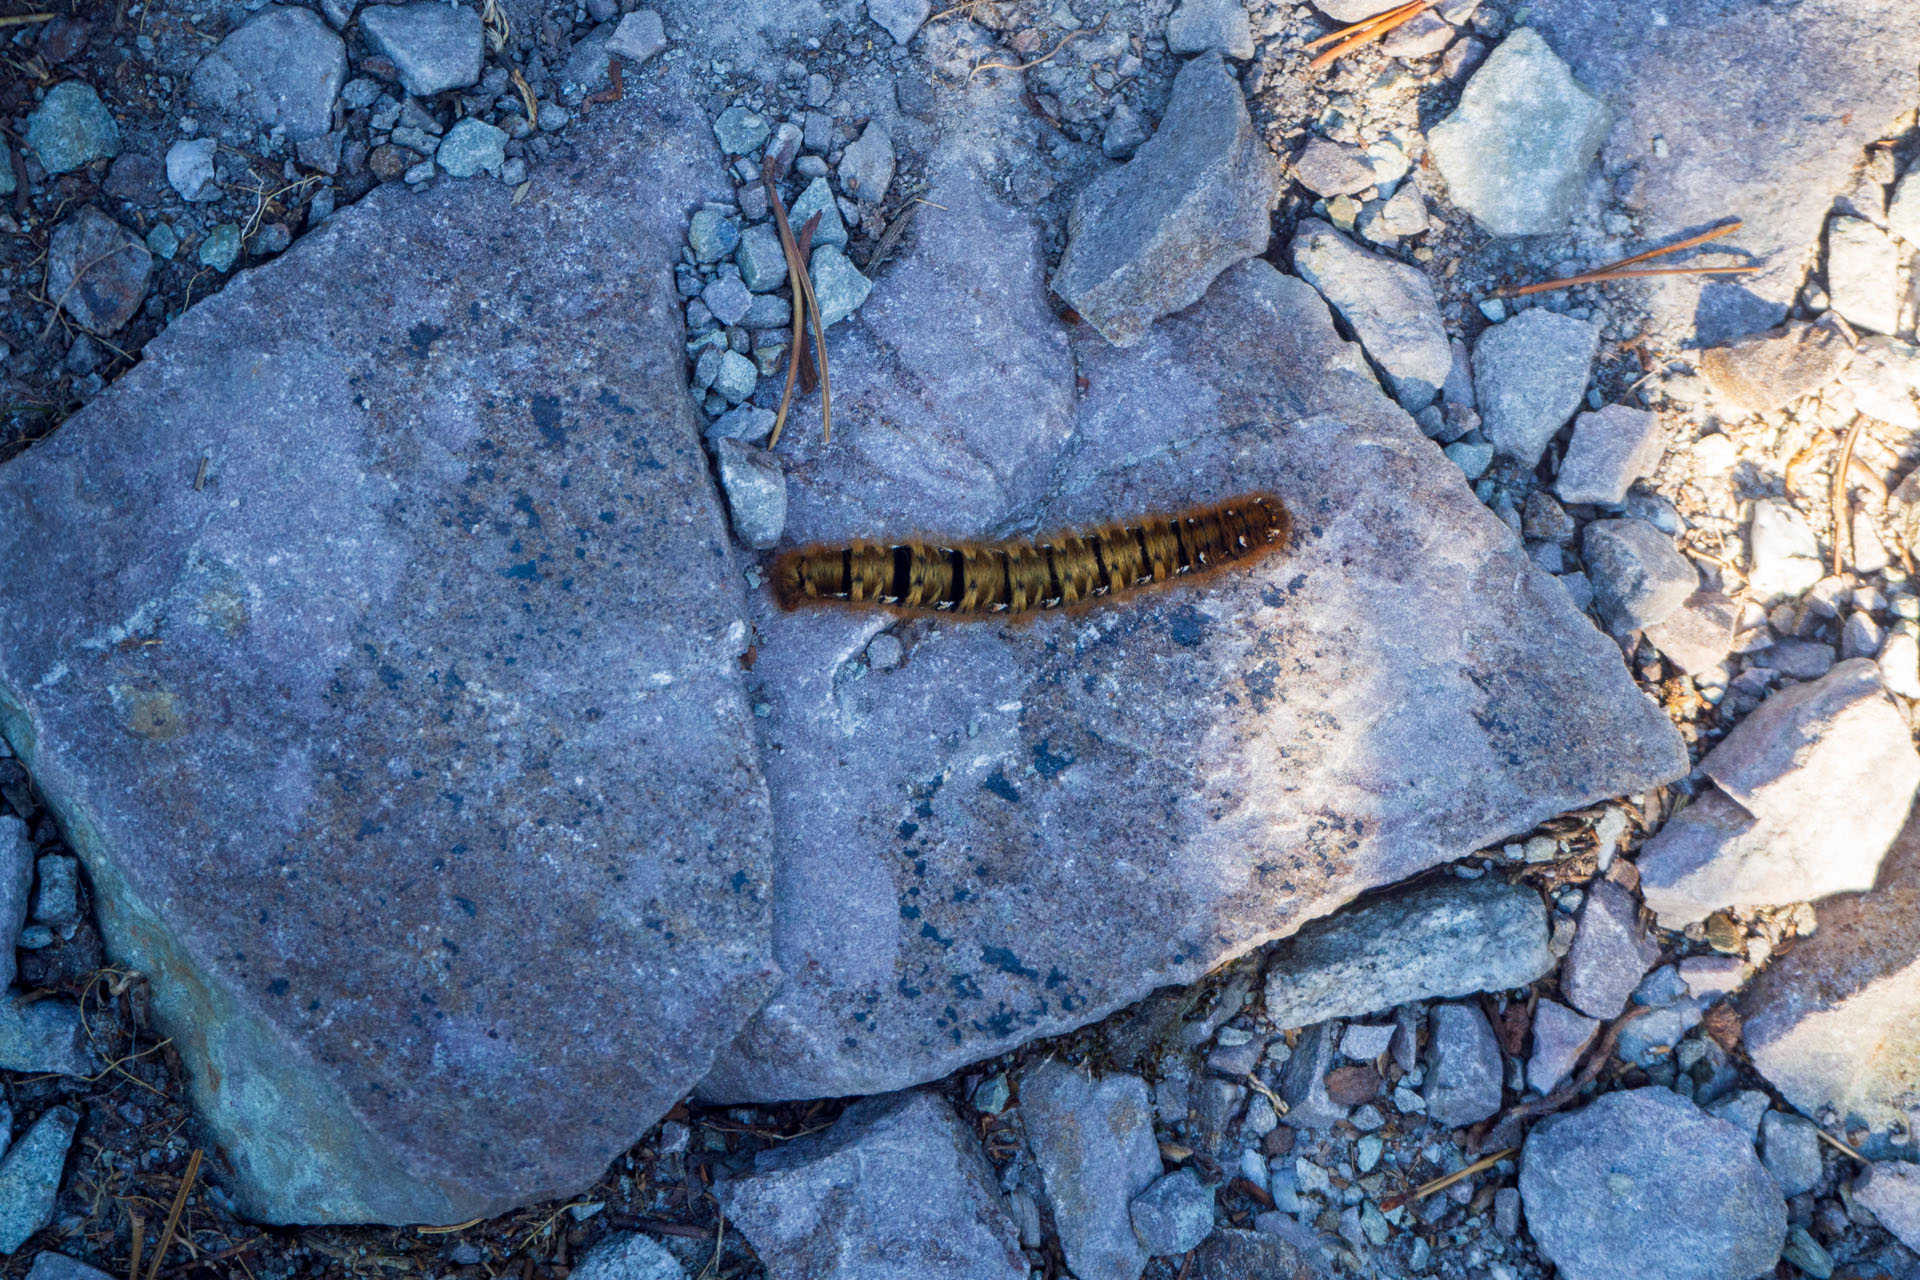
[(525, 91), (496, 24), (1426, 1189), (1628, 269), (1840, 1146), (1842, 507), (24, 19), (1050, 54), (1360, 33), (137, 1228), (458, 1226), (809, 370), (179, 1207), (805, 310)]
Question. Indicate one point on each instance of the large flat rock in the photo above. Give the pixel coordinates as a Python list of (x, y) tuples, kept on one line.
[(1015, 829), (376, 641), (1765, 110)]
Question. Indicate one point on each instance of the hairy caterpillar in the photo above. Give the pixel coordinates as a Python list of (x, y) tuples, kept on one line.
[(1021, 575)]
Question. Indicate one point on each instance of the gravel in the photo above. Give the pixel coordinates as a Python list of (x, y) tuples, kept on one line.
[(756, 488), (901, 18), (628, 1255), (1610, 954), (190, 169), (1389, 305), (1529, 376), (1611, 448), (1786, 555), (838, 286), (1203, 26), (1333, 169), (1891, 1192), (71, 128), (1639, 576), (1790, 1148), (639, 36)]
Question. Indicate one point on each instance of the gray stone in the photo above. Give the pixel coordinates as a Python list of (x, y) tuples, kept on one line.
[(1464, 1068), (1762, 372), (1421, 37), (1785, 554), (435, 47), (1534, 707), (1333, 169), (1812, 790), (1148, 237), (818, 198), (735, 379), (284, 66), (866, 166), (1661, 987), (1516, 151), (44, 1037), (740, 130), (30, 1177), (97, 270), (1364, 1043), (221, 249), (1834, 1023), (1861, 637), (1203, 26), (838, 286), (762, 262), (756, 489), (190, 169), (1643, 1185), (1652, 1036), (1350, 11), (1801, 659), (1863, 274), (589, 63), (1744, 1111), (1639, 576), (748, 424), (1900, 664), (1710, 977), (1697, 636), (1124, 133), (1529, 376), (1891, 1192), (712, 234), (1473, 457), (1389, 305), (1790, 1148), (901, 18), (56, 897), (1403, 214), (1231, 1254), (71, 127), (1611, 448), (1903, 211), (639, 36), (1560, 1036), (1093, 1141), (897, 1187), (1611, 952), (1174, 1214), (418, 576), (1447, 938), (471, 147), (48, 1265), (728, 299), (16, 887), (769, 311), (628, 1255), (1303, 1081)]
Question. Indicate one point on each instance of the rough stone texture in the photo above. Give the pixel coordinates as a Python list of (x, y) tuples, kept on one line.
[(1405, 625), (1332, 169), (1174, 1214), (901, 18), (1464, 1069), (1790, 1148), (1891, 1192), (818, 198), (471, 147), (1639, 576), (1786, 555), (1710, 977), (639, 36), (1147, 238), (1610, 954), (48, 1265), (1560, 1036), (434, 46), (1229, 1254), (897, 1187), (1516, 151), (1529, 375), (1447, 938), (1903, 211), (190, 169), (1813, 788), (1610, 449), (866, 166), (284, 66), (1698, 635), (16, 889), (1835, 1022), (1863, 274), (1643, 1185), (1762, 372), (44, 1036), (435, 819), (97, 270), (71, 127), (756, 489), (1389, 305), (30, 1177), (1762, 110), (1093, 1141), (1303, 1081), (628, 1255), (1201, 26)]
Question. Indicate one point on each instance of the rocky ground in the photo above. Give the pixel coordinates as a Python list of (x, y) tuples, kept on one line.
[(1599, 1010)]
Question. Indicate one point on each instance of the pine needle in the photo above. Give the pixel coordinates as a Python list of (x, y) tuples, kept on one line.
[(173, 1213)]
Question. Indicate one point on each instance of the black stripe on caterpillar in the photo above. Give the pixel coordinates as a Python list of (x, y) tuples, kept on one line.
[(1023, 575)]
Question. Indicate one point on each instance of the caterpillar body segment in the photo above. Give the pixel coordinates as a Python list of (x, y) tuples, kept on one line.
[(1025, 575)]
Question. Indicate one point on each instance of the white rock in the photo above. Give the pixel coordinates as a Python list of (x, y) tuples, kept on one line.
[(1891, 1190), (1863, 268), (190, 169), (1786, 555), (1900, 664)]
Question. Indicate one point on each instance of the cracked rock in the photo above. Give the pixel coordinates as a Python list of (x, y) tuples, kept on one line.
[(284, 66), (1390, 306)]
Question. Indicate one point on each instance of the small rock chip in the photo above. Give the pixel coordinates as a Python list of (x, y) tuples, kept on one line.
[(1863, 271), (16, 885), (1333, 169), (866, 166), (1352, 1085), (1698, 635), (97, 270), (434, 47), (1464, 1068), (1710, 977), (1900, 664), (1790, 1148), (741, 129), (1422, 37), (1891, 1192), (1529, 376), (284, 66), (472, 147), (1174, 1214), (30, 1177), (1390, 306), (818, 198), (762, 262), (1639, 577), (221, 249), (1785, 554), (1560, 1036), (1093, 1141), (1201, 26), (1763, 372), (49, 1265), (71, 127), (627, 1255), (190, 169), (1610, 954), (736, 378), (747, 424), (1515, 152), (1643, 1185), (728, 299), (1611, 448), (1303, 1081), (901, 18), (1124, 133), (838, 286), (756, 489), (639, 36)]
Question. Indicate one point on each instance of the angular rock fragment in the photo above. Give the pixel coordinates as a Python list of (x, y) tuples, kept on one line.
[(756, 489), (48, 1265), (639, 36), (1698, 635), (1230, 1254), (1813, 788), (435, 47), (1786, 555), (1146, 239), (1891, 1192), (1643, 1185), (283, 67), (898, 1186), (1515, 152), (1202, 26), (1763, 372), (1639, 576), (1610, 954), (482, 888), (70, 128), (1790, 1148), (1333, 169), (30, 1176), (1447, 938), (1389, 305), (901, 18), (1835, 1022), (44, 1037), (1863, 274), (1174, 1214), (1560, 1036), (628, 1255), (1529, 376), (1611, 448), (1464, 1069), (1093, 1141), (97, 270), (1303, 1081), (16, 889)]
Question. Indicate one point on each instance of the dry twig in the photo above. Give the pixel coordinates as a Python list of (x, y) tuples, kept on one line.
[(1625, 268), (805, 310), (1842, 506), (173, 1213), (24, 19), (1426, 1189), (1049, 55), (1347, 39)]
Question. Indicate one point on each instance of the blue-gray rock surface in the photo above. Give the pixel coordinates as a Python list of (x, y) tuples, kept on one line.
[(30, 1176), (1389, 305), (1093, 1141), (406, 749), (434, 47), (1529, 376), (1464, 1067), (283, 66), (1643, 1185), (71, 127)]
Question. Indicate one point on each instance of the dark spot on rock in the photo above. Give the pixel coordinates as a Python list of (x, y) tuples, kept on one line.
[(1004, 960), (422, 337), (998, 784), (546, 416), (1047, 764), (1189, 626)]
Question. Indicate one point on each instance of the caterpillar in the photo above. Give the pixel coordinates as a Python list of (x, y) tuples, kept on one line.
[(1021, 575)]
